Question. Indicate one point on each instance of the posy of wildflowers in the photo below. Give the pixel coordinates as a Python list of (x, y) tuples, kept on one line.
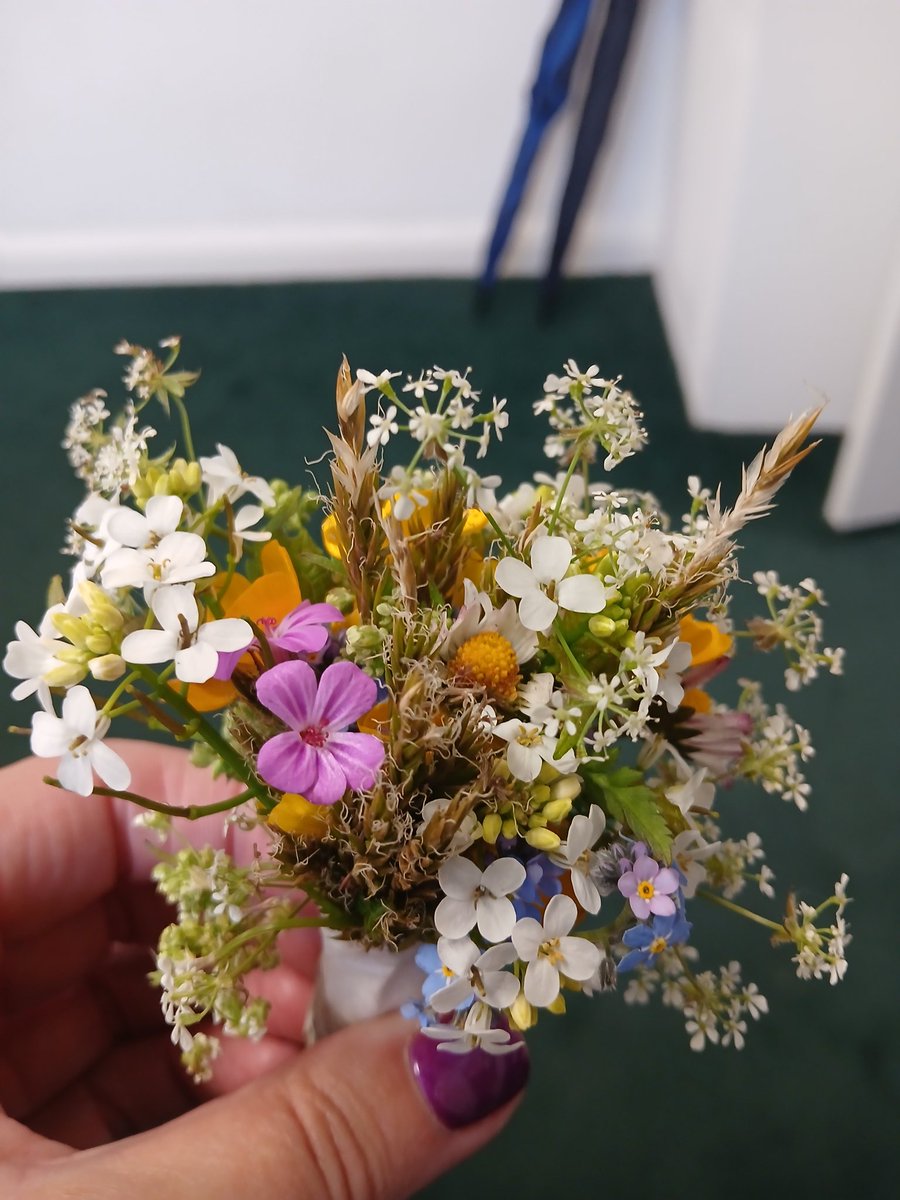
[(489, 725)]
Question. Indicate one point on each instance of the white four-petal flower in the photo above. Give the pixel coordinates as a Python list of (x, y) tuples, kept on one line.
[(140, 530), (550, 559), (31, 657), (223, 477), (473, 896), (76, 738), (194, 648), (529, 746), (577, 855), (473, 974), (550, 953), (176, 558)]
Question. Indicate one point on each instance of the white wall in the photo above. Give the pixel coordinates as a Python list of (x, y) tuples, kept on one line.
[(189, 140)]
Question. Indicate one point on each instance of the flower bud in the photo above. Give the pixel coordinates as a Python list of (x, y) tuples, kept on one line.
[(341, 598), (601, 626), (491, 827), (556, 810), (567, 788), (521, 1013), (543, 839), (107, 667)]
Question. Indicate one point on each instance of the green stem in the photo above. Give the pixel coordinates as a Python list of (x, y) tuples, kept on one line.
[(579, 669), (507, 544), (192, 812), (741, 912), (185, 427), (210, 735), (109, 706), (561, 494)]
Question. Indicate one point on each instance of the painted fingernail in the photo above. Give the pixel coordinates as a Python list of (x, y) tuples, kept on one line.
[(463, 1088)]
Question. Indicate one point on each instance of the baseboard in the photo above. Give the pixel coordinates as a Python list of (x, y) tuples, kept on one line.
[(300, 252)]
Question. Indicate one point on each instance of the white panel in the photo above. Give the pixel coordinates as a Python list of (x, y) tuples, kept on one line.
[(216, 139), (787, 182)]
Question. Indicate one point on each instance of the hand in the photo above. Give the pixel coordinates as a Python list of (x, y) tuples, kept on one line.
[(96, 1103)]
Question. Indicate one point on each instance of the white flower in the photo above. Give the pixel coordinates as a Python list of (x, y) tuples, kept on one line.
[(427, 426), (529, 746), (141, 530), (242, 531), (472, 973), (194, 650), (658, 670), (224, 478), (498, 418), (463, 837), (689, 852), (550, 559), (476, 1033), (472, 896), (478, 615), (383, 425), (693, 792), (76, 739), (550, 953), (176, 558), (92, 517), (576, 854), (31, 657), (420, 386), (370, 381)]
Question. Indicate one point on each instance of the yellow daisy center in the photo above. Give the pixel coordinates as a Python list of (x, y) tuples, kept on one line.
[(489, 659)]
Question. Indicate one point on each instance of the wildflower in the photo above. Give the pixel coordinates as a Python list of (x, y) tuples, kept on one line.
[(383, 425), (649, 887), (542, 880), (529, 746), (181, 638), (471, 974), (418, 387), (550, 559), (318, 759), (224, 479), (486, 645), (577, 854), (32, 657), (76, 738), (380, 381), (644, 942), (549, 952), (144, 530), (658, 670), (242, 530), (175, 558), (473, 896), (476, 1033)]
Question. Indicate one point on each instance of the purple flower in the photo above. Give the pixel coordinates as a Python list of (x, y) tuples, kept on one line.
[(542, 880), (317, 759), (648, 887), (646, 941), (302, 631)]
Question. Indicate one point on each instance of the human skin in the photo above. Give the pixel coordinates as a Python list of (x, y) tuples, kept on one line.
[(94, 1102)]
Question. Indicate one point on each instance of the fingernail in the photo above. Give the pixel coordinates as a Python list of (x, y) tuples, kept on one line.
[(463, 1088)]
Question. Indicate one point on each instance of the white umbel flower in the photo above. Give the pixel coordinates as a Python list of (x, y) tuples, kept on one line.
[(550, 559), (474, 975), (194, 648), (550, 953), (76, 738), (577, 856), (475, 897), (224, 479)]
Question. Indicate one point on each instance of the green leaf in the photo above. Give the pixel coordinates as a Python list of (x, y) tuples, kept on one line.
[(634, 805)]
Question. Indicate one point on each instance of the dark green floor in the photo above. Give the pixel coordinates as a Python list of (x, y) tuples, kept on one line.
[(618, 1102)]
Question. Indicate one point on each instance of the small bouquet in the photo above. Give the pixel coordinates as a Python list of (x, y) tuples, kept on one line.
[(474, 733)]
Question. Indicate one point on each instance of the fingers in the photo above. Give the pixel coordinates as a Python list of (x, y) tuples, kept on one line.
[(343, 1120)]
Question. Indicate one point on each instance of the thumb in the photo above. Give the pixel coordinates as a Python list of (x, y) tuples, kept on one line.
[(371, 1113)]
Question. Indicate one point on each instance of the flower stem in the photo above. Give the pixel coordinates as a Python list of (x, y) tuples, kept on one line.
[(192, 812), (185, 426), (561, 494), (741, 911)]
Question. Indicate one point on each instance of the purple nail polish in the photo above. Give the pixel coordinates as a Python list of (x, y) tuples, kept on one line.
[(463, 1088)]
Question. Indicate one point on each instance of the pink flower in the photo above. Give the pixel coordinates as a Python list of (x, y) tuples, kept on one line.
[(648, 888), (302, 631), (317, 759)]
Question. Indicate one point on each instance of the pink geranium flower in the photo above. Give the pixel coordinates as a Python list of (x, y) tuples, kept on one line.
[(317, 759), (648, 888), (302, 631)]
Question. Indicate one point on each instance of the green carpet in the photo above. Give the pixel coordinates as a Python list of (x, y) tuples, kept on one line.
[(618, 1104)]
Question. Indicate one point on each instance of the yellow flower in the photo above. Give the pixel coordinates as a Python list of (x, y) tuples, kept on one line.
[(293, 814), (707, 641)]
